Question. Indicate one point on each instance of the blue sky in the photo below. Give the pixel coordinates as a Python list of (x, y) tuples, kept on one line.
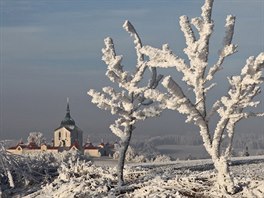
[(51, 50)]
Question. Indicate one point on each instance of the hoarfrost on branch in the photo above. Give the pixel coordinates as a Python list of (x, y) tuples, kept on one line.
[(129, 104), (198, 75)]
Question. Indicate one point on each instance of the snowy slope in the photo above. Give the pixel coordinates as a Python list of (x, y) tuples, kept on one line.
[(192, 178)]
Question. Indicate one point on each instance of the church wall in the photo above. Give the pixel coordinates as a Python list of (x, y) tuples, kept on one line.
[(15, 151), (31, 151), (52, 151), (60, 135)]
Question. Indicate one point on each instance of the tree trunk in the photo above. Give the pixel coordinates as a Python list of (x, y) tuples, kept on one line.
[(122, 157), (224, 179)]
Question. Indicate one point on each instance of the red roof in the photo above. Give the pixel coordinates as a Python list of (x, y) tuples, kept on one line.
[(89, 146), (52, 148), (30, 146), (49, 147), (19, 144)]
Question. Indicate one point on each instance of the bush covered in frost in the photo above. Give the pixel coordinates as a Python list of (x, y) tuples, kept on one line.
[(131, 155), (28, 172)]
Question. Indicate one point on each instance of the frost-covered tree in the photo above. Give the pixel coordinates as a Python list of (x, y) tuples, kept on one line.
[(5, 168), (198, 75), (129, 103), (36, 137)]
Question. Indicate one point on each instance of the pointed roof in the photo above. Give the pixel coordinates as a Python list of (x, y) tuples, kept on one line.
[(67, 121)]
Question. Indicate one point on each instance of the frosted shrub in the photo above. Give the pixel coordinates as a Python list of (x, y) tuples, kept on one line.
[(162, 158), (18, 172), (129, 102), (78, 178), (131, 155), (36, 137)]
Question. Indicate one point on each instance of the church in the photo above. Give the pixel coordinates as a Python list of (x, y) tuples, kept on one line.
[(68, 134)]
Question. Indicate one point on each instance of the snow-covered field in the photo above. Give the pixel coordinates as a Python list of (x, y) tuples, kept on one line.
[(191, 178)]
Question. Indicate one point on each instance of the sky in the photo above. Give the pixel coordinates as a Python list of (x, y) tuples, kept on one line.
[(51, 50)]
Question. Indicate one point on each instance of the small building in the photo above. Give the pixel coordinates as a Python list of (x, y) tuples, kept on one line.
[(106, 149), (18, 149), (91, 150)]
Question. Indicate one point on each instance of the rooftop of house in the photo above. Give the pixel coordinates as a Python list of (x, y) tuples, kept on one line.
[(33, 145)]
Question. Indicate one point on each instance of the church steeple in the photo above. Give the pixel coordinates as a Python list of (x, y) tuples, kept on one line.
[(68, 106), (68, 121)]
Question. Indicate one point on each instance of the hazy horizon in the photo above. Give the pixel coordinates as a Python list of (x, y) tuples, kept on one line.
[(51, 50)]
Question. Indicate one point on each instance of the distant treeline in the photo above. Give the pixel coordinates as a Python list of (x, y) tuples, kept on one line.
[(250, 141), (240, 141)]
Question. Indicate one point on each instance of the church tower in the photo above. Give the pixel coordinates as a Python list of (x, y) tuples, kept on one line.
[(68, 134)]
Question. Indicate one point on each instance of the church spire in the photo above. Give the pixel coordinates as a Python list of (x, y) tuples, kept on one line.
[(67, 121), (68, 105)]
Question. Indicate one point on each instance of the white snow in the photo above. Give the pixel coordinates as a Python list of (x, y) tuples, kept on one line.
[(70, 175), (192, 178)]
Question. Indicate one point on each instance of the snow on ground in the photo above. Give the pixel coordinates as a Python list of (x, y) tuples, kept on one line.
[(192, 178)]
